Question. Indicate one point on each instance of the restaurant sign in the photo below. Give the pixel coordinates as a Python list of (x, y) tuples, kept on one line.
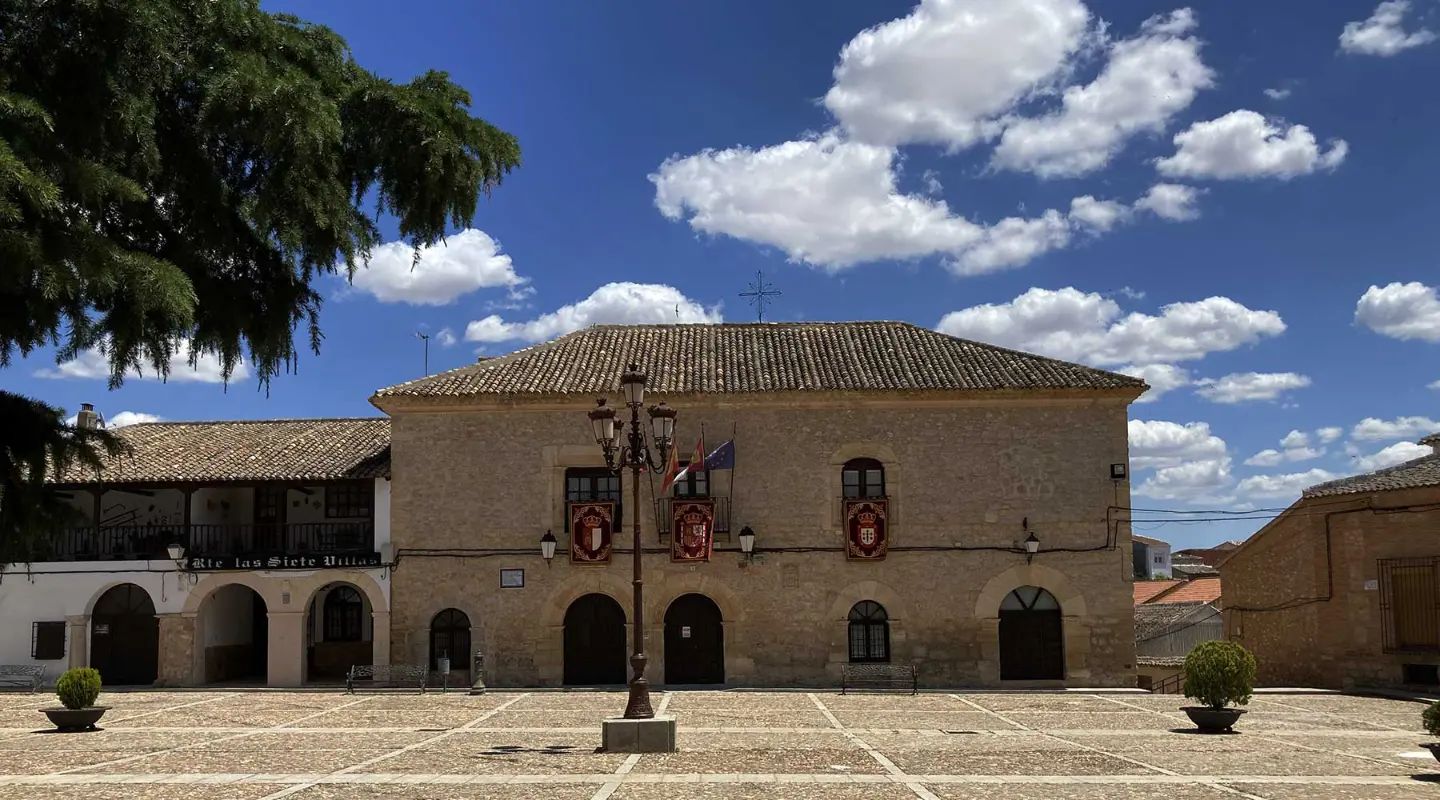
[(284, 561)]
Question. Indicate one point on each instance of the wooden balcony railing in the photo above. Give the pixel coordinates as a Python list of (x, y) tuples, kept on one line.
[(135, 542), (722, 515)]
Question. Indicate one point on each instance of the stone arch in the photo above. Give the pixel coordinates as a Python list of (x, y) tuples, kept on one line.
[(267, 588), (106, 587), (845, 598), (366, 584), (1072, 601), (676, 585), (552, 613)]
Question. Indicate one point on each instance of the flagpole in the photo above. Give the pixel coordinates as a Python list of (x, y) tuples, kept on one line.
[(734, 462)]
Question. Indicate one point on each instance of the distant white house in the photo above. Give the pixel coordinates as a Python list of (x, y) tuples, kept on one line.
[(1151, 557)]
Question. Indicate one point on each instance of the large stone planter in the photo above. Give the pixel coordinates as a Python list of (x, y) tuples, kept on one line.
[(75, 719), (1213, 720), (1433, 747)]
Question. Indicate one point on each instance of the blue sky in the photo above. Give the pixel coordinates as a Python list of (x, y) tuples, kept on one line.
[(1117, 183)]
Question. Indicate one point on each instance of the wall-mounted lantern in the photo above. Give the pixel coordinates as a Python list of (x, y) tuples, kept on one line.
[(547, 547), (1118, 472), (1032, 546), (747, 542)]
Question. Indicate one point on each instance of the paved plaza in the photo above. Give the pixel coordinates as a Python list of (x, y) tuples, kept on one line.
[(777, 745)]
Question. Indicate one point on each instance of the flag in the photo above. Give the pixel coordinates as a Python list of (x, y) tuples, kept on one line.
[(722, 457), (695, 464), (672, 472)]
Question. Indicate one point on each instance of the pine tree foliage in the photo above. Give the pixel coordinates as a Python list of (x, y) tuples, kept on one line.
[(179, 173)]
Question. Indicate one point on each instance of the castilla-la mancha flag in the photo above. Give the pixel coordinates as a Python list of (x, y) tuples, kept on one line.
[(592, 526)]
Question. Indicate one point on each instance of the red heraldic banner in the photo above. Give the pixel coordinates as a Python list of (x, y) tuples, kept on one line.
[(592, 526), (866, 529), (692, 526)]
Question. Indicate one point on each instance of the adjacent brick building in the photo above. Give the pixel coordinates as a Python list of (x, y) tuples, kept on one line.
[(1342, 590), (965, 449)]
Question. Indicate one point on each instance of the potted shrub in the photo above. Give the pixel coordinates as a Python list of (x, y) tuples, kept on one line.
[(1430, 718), (1220, 675), (77, 690)]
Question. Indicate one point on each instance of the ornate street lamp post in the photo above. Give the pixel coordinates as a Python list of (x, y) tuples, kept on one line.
[(630, 449)]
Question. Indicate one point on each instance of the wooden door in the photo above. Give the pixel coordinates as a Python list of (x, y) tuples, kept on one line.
[(594, 642), (125, 637), (1032, 643), (694, 641)]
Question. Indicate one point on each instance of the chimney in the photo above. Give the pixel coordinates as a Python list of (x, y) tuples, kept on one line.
[(87, 418), (1433, 440)]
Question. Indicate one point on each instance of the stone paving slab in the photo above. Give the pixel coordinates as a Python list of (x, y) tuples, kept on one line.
[(762, 791), (738, 701), (391, 791), (925, 719), (1413, 791), (1120, 720), (745, 718), (1112, 791), (1046, 703), (132, 792), (362, 717)]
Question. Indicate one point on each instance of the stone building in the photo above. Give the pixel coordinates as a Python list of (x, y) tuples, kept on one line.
[(1342, 590), (214, 552), (960, 450)]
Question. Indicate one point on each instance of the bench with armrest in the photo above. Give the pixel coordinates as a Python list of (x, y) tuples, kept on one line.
[(24, 676), (880, 678), (387, 675)]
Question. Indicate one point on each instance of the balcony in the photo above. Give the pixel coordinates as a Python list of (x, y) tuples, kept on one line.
[(722, 515), (137, 542)]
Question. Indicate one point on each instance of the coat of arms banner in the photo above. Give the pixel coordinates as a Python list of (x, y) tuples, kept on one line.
[(692, 528), (866, 529), (591, 527)]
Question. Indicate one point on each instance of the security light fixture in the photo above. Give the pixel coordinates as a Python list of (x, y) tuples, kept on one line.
[(547, 547), (1118, 472)]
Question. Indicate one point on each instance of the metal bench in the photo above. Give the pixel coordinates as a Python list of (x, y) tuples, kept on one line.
[(25, 676), (388, 675), (880, 678)]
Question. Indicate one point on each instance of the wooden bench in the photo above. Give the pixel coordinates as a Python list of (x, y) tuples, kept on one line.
[(388, 675), (25, 676), (880, 678)]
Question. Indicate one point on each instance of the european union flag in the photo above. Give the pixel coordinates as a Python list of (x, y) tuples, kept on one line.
[(722, 457)]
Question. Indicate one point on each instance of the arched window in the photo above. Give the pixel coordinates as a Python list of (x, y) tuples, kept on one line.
[(869, 633), (863, 477), (344, 611), (450, 638)]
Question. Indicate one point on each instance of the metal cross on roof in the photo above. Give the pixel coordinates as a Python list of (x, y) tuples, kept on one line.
[(760, 294)]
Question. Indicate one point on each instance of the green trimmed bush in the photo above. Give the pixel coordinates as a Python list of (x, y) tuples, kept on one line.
[(1219, 673), (78, 687), (1430, 717)]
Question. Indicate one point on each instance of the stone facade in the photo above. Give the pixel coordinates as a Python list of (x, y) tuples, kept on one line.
[(477, 482), (1311, 613)]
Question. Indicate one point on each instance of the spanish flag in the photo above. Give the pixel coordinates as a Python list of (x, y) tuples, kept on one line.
[(672, 473)]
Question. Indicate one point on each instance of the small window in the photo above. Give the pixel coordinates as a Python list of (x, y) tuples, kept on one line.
[(344, 611), (869, 633), (693, 484), (863, 477), (591, 483), (47, 641), (347, 500)]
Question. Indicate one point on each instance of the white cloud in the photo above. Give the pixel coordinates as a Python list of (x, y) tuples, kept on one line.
[(1372, 429), (1285, 485), (1328, 435), (93, 364), (1244, 387), (462, 263), (1244, 144), (1163, 378), (1265, 458), (1161, 443), (1172, 201), (1383, 34), (835, 203), (1435, 386), (124, 418), (611, 304), (1295, 439), (1397, 453), (931, 179), (1147, 79), (1192, 481), (1088, 327), (446, 337), (1277, 93), (947, 72), (1401, 311)]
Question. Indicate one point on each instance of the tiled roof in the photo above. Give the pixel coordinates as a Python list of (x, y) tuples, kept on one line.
[(761, 357), (1153, 621), (250, 450), (1144, 590), (1147, 540), (1421, 472), (1195, 590)]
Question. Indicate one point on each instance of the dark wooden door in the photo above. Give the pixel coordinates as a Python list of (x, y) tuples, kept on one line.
[(694, 641), (125, 637), (594, 641)]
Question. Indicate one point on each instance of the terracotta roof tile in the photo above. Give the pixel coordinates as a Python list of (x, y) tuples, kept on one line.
[(1419, 473), (761, 357), (249, 450), (1195, 590), (1144, 590)]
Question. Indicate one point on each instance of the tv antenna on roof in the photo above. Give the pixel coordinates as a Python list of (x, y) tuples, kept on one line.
[(760, 294), (426, 338)]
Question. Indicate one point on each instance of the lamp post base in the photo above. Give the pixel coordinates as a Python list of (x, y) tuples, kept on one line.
[(654, 735)]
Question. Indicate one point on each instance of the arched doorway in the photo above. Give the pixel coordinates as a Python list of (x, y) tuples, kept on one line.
[(694, 641), (594, 641), (235, 628), (1031, 636), (125, 637), (339, 627), (450, 638)]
